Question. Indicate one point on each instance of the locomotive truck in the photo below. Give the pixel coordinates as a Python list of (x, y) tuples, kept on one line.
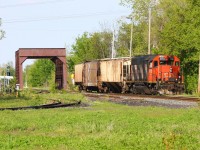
[(145, 74)]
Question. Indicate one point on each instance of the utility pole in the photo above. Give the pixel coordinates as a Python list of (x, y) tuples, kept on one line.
[(131, 40), (113, 43), (4, 84), (199, 76), (149, 41)]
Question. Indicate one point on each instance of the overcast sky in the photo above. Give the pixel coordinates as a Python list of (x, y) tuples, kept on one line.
[(52, 23)]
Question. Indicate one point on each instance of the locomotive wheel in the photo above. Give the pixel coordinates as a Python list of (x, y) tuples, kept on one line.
[(134, 91), (106, 90)]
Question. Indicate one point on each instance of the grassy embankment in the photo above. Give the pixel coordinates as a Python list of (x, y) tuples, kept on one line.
[(102, 125)]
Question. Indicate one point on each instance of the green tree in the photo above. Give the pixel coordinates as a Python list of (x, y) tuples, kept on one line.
[(139, 44), (123, 41), (7, 68), (39, 74), (81, 49), (2, 33), (101, 44), (180, 36), (91, 46), (140, 18)]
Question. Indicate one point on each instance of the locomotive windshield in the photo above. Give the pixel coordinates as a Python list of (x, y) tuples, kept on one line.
[(163, 62), (169, 62), (166, 61)]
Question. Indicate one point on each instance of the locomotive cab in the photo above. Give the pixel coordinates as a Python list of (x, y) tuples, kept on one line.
[(165, 72), (165, 69)]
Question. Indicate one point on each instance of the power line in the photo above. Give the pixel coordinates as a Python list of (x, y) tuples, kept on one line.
[(33, 3), (64, 17)]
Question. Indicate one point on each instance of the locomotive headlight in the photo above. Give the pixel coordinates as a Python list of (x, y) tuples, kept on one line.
[(179, 77)]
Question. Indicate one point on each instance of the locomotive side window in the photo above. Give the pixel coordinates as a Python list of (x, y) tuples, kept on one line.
[(155, 63), (150, 64), (170, 62), (177, 63)]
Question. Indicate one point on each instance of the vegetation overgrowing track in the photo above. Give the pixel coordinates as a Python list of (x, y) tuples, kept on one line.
[(146, 100), (46, 106)]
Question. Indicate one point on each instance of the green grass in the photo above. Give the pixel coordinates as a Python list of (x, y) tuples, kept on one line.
[(103, 125), (27, 98)]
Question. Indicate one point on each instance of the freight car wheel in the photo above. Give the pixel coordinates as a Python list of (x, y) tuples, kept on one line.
[(106, 90), (80, 88)]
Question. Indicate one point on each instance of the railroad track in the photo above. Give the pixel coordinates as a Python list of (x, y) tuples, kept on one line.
[(119, 95), (146, 100)]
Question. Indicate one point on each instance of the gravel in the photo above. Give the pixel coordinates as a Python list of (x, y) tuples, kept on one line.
[(137, 101), (172, 103)]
